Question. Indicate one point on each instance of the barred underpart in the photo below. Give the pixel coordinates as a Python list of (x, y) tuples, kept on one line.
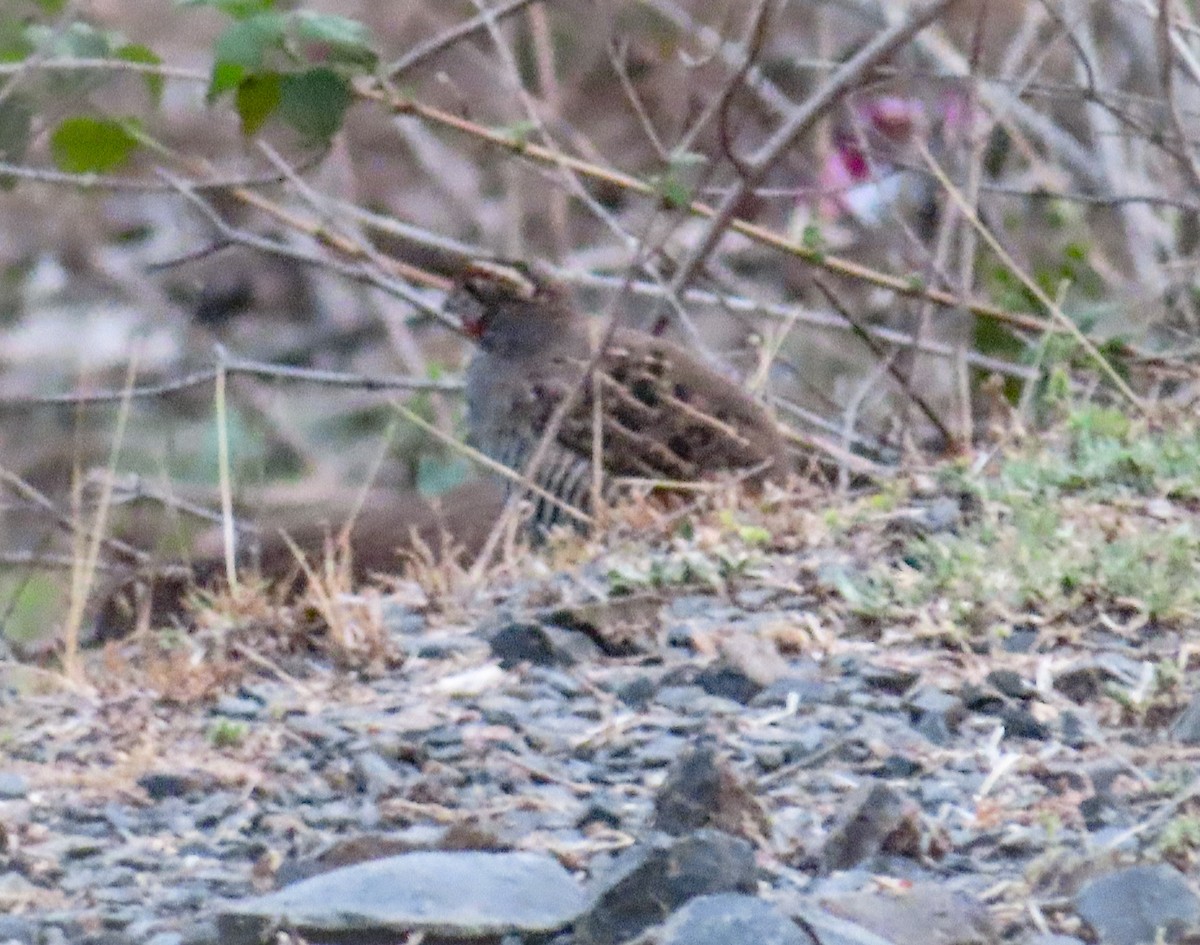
[(563, 473)]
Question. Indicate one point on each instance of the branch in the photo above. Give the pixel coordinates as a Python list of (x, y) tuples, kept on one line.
[(901, 285), (850, 75), (434, 45), (258, 369)]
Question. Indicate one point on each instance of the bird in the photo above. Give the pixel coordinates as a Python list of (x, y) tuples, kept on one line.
[(662, 414)]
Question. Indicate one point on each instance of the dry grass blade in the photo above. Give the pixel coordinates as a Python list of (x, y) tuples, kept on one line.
[(1055, 310), (491, 465), (228, 524), (84, 574)]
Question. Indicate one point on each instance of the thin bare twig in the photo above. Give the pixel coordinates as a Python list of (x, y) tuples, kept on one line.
[(901, 285), (83, 576), (1185, 158), (43, 175), (756, 37), (886, 358), (436, 44), (359, 269), (786, 313), (32, 494), (237, 366)]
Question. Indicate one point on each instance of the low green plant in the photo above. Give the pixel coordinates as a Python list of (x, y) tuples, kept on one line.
[(227, 733), (1063, 522)]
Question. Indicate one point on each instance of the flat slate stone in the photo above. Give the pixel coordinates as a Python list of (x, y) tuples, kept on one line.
[(927, 912), (467, 894), (731, 919), (13, 786), (1139, 904)]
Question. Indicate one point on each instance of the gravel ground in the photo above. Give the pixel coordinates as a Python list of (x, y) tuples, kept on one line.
[(696, 739)]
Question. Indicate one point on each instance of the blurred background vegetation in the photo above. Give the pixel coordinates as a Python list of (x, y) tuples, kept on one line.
[(1011, 196)]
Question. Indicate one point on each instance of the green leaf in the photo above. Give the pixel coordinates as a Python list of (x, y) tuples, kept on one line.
[(225, 76), (813, 240), (257, 98), (673, 192), (327, 38), (247, 42), (241, 50), (84, 145), (315, 102), (754, 534), (520, 132), (33, 605), (996, 338), (238, 9), (15, 43), (135, 52), (51, 6)]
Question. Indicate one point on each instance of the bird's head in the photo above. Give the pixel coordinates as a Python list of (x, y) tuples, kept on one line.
[(509, 307)]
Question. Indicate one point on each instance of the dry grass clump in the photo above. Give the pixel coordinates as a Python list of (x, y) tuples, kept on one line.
[(256, 629)]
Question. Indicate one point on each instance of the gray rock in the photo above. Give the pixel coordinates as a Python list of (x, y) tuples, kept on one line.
[(13, 786), (870, 819), (165, 938), (375, 775), (317, 730), (731, 919), (638, 691), (889, 679), (935, 714), (831, 930), (540, 645), (647, 882), (1012, 684), (702, 790), (16, 929), (15, 890), (1020, 639), (925, 913), (238, 707), (1186, 727), (163, 784), (1087, 678), (459, 894), (202, 933), (1131, 906), (400, 618), (728, 681)]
